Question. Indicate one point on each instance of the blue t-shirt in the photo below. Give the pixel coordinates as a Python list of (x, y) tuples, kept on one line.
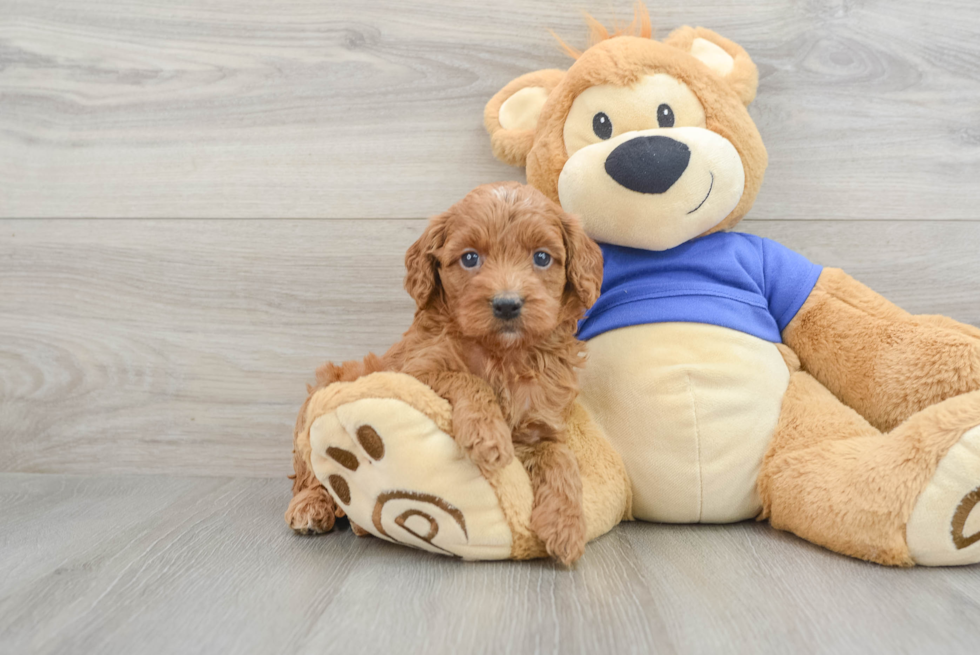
[(734, 280)]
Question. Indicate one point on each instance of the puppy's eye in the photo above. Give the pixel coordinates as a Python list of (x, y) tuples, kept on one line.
[(602, 126), (665, 116), (470, 259), (542, 259)]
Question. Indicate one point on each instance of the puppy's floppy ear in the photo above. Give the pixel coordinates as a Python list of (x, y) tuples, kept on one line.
[(583, 262), (726, 59), (422, 279), (511, 116)]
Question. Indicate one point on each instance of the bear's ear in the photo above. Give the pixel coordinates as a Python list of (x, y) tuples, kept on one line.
[(511, 116), (725, 58)]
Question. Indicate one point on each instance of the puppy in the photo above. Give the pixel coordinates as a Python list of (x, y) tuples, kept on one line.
[(500, 281)]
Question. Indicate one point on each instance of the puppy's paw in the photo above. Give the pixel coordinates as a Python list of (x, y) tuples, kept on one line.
[(311, 511), (562, 529), (486, 439)]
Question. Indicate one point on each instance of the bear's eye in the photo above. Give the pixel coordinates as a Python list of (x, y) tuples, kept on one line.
[(665, 116), (542, 259), (602, 126), (470, 259)]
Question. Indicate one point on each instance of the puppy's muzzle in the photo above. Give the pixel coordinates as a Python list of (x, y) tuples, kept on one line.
[(507, 306)]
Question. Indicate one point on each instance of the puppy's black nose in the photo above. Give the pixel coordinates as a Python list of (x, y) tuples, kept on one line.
[(648, 164), (507, 307)]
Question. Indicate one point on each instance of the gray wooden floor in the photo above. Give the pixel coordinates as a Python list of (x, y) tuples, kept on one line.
[(108, 564), (200, 202)]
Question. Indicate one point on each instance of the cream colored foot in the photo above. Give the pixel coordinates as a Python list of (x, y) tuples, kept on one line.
[(399, 477), (944, 529)]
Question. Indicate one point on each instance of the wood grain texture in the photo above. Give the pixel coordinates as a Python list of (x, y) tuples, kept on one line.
[(305, 108), (183, 347), (206, 565)]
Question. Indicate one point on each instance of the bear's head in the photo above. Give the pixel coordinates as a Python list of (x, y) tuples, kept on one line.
[(649, 142)]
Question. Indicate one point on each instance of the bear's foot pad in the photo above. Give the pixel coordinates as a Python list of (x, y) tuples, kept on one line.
[(944, 528), (400, 478)]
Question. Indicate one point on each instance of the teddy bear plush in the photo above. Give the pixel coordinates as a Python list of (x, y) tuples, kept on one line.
[(728, 377)]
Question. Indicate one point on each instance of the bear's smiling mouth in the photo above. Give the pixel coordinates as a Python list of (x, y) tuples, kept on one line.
[(710, 187)]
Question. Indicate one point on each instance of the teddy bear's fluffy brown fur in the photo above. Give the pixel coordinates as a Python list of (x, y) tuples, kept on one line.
[(876, 397)]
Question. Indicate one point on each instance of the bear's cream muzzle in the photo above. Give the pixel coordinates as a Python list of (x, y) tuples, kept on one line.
[(653, 189)]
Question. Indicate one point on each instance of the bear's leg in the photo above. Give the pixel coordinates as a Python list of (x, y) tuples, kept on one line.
[(944, 526), (382, 447), (879, 359), (833, 479)]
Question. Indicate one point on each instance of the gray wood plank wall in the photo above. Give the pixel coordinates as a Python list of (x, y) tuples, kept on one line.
[(372, 109)]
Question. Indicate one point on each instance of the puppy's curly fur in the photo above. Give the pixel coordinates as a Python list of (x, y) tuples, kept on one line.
[(500, 281)]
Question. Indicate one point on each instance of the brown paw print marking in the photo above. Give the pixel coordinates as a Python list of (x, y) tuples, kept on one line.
[(340, 488), (371, 442), (402, 519), (959, 520), (345, 458)]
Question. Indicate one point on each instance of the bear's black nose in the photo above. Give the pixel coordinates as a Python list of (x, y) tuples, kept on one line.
[(648, 164), (507, 307)]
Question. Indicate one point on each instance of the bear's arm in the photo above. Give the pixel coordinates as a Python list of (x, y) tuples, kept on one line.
[(877, 358)]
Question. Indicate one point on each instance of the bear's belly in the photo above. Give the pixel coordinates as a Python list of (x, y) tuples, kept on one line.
[(691, 408)]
